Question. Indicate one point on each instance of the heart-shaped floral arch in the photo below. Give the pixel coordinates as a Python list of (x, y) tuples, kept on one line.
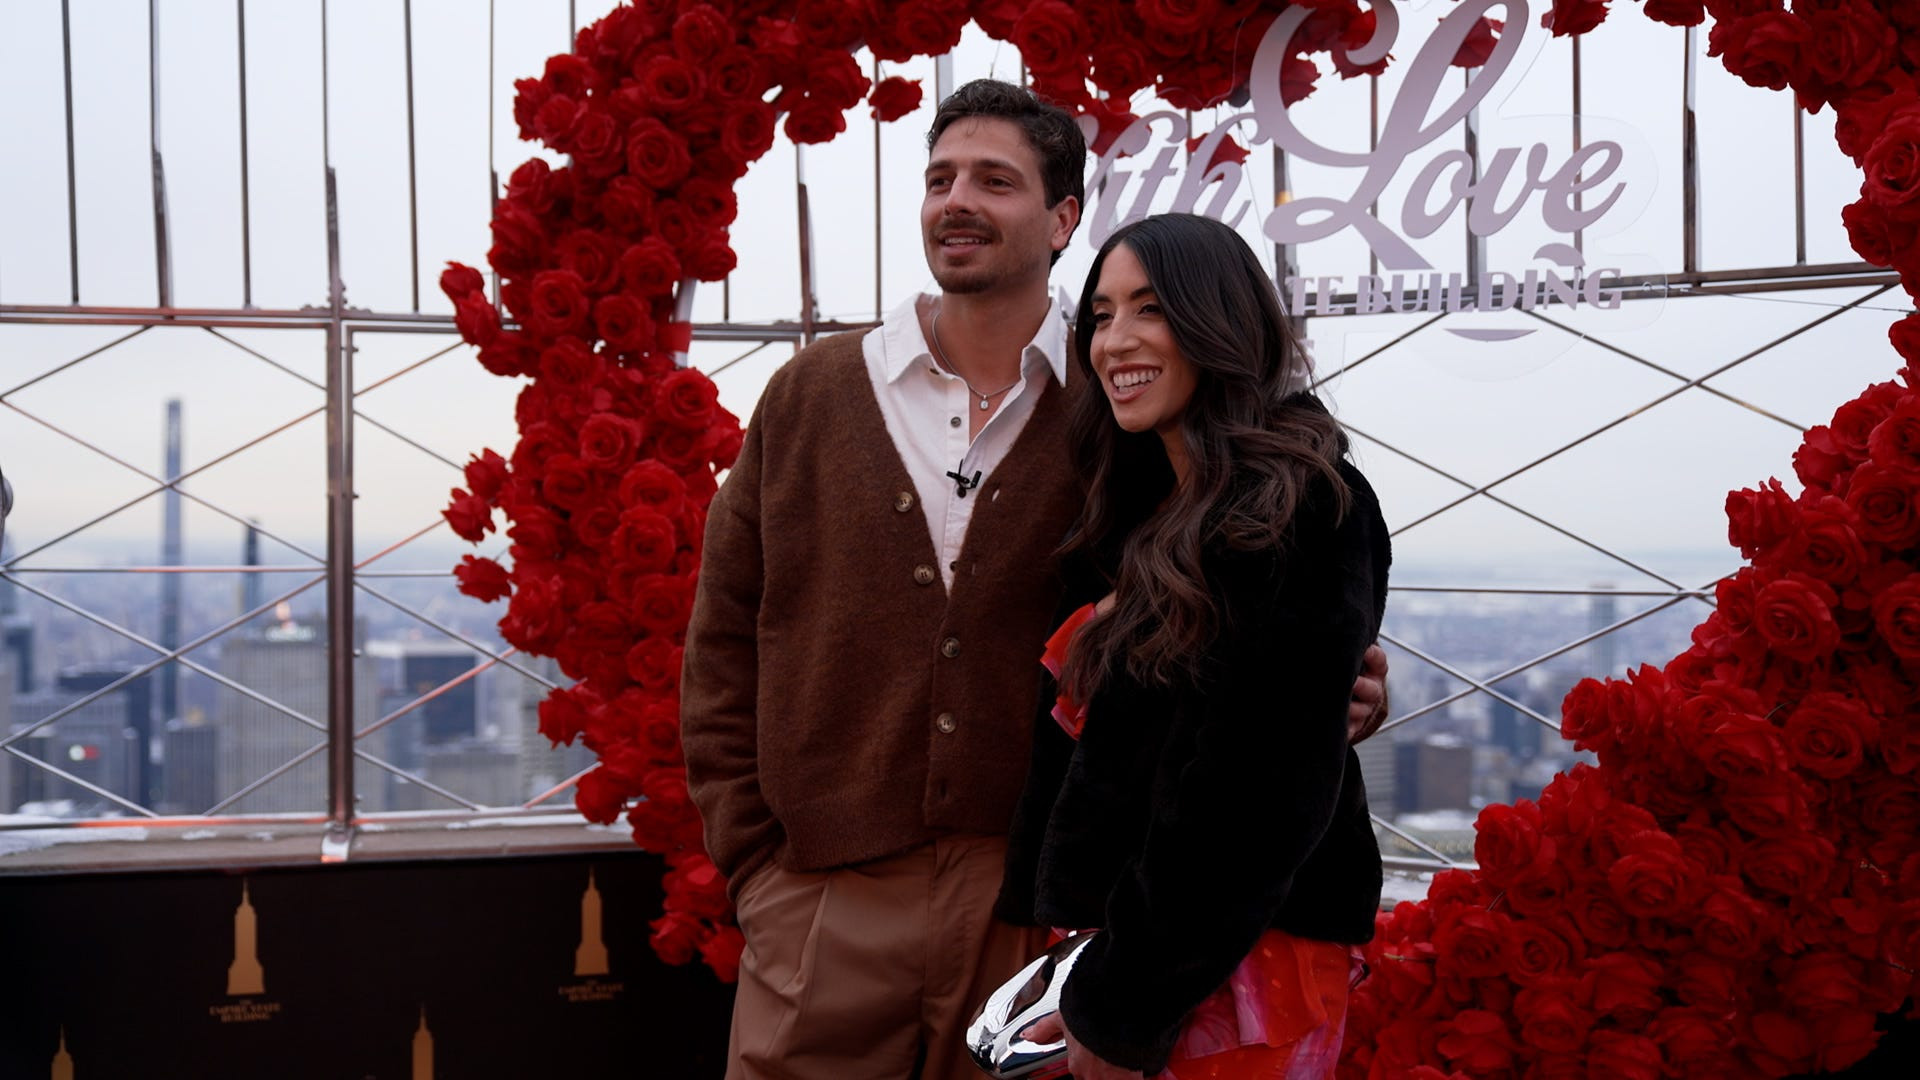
[(1733, 890)]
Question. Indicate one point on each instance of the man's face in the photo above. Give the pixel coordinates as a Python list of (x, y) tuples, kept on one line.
[(985, 220)]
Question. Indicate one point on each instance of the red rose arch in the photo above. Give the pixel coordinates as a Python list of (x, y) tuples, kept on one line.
[(1734, 890)]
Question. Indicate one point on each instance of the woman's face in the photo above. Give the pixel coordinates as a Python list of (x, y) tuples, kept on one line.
[(1147, 380)]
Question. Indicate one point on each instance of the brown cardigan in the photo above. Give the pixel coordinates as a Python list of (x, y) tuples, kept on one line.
[(837, 705)]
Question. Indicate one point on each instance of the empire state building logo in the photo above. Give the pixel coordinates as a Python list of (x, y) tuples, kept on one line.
[(246, 979), (590, 956)]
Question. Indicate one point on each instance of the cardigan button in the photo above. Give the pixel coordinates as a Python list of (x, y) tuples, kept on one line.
[(903, 502), (950, 648), (924, 574), (946, 723)]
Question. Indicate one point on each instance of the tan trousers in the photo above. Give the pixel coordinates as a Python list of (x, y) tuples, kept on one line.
[(863, 972)]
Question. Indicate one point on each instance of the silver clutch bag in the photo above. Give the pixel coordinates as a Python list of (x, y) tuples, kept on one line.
[(994, 1037)]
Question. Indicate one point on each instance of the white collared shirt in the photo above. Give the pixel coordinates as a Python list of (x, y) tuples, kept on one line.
[(927, 409)]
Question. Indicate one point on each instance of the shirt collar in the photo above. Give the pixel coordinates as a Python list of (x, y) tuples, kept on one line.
[(902, 342)]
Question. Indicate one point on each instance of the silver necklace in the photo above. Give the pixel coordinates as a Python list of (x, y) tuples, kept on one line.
[(940, 354)]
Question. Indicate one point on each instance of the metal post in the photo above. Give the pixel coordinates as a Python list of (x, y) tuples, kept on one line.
[(808, 313), (1476, 245), (1799, 183), (340, 644), (246, 200), (163, 269), (1578, 195), (73, 207), (413, 172), (1689, 164)]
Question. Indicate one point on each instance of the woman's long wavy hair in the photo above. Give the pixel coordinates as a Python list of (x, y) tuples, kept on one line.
[(1254, 445)]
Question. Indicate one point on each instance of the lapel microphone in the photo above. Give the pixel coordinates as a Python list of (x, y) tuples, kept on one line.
[(962, 483)]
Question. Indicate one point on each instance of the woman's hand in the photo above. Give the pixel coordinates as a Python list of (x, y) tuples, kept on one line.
[(1083, 1063), (1367, 707)]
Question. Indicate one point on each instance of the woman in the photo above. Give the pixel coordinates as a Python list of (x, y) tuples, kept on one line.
[(1203, 809)]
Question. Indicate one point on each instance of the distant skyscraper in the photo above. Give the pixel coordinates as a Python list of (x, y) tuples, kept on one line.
[(287, 661), (1433, 774), (1514, 731), (1602, 612), (191, 782), (170, 545), (94, 743), (16, 631), (251, 591)]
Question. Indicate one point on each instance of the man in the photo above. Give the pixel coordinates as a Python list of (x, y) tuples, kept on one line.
[(862, 664)]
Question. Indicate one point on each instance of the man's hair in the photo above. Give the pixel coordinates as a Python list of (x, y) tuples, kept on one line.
[(1049, 129)]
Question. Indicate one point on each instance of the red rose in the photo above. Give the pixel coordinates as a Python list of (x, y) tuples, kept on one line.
[(1120, 68), (1772, 806), (1892, 165), (722, 950), (1860, 117), (1478, 1041), (1654, 878), (1676, 12), (476, 319), (1050, 35), (1599, 917), (709, 256), (676, 937), (1624, 985), (482, 579), (1828, 733), (672, 84), (535, 616), (1569, 17), (1777, 1044), (687, 399), (736, 77), (1791, 866), (664, 820), (1618, 1054), (536, 534), (1821, 462), (1297, 78), (1884, 498), (646, 540), (1707, 981), (1539, 897), (747, 133), (1469, 941), (1728, 922), (1905, 336), (653, 485), (608, 441), (570, 362), (558, 304), (1478, 45), (1536, 951), (1551, 1018), (1795, 616), (815, 122), (713, 202), (1831, 548), (661, 605), (1178, 16), (1900, 745), (654, 663), (1878, 238), (696, 887), (1895, 441), (1851, 44), (627, 206), (567, 484), (1896, 615), (485, 473), (625, 322), (593, 524), (1768, 49), (1741, 746), (894, 97), (457, 280), (918, 28), (469, 515), (519, 239), (1759, 519), (656, 155), (1509, 845), (601, 795)]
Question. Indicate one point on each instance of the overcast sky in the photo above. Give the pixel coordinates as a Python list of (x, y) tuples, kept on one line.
[(1651, 487)]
